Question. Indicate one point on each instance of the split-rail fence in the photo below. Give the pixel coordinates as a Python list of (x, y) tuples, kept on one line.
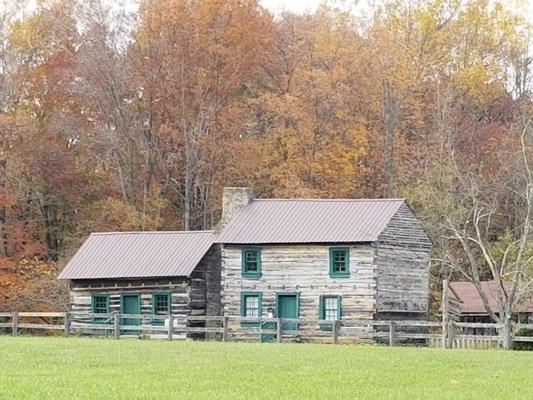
[(447, 334)]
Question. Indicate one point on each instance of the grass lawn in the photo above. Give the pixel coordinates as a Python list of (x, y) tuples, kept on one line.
[(78, 368)]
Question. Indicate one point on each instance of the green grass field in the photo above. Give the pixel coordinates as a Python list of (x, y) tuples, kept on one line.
[(76, 368)]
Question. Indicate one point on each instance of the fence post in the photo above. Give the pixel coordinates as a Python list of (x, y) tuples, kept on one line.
[(445, 317), (15, 320), (116, 324), (450, 335), (170, 327), (278, 330), (67, 324), (336, 325), (225, 328), (392, 332)]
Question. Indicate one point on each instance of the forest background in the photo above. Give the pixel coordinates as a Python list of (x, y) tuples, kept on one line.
[(120, 118)]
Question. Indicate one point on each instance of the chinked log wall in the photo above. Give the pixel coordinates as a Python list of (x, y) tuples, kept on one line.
[(179, 289), (302, 269)]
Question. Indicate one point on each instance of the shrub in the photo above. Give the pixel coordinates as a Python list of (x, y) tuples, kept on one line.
[(524, 345)]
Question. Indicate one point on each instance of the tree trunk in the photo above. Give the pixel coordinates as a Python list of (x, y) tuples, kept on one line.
[(52, 231), (390, 121), (3, 164), (2, 242), (507, 332), (187, 202)]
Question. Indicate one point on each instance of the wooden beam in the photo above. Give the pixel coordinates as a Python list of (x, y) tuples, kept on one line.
[(392, 333), (15, 320), (170, 327), (116, 324), (336, 326), (67, 324), (225, 327), (445, 315)]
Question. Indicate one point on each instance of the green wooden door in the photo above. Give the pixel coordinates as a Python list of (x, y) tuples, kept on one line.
[(130, 305), (288, 308)]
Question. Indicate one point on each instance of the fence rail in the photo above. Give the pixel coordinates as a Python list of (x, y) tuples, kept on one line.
[(394, 333)]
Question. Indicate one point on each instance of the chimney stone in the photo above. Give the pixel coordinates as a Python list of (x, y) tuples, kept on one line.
[(233, 199)]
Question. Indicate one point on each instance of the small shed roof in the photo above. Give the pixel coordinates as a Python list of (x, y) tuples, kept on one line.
[(138, 255), (310, 221), (469, 300)]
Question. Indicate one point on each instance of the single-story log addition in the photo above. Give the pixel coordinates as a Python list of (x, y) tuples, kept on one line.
[(327, 259), (148, 273)]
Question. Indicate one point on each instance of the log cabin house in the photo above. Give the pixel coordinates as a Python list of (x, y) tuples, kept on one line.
[(330, 259), (322, 259)]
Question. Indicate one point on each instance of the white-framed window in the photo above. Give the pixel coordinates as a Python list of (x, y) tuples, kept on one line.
[(252, 306), (331, 308)]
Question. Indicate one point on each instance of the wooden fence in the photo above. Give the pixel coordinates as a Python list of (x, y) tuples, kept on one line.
[(447, 334)]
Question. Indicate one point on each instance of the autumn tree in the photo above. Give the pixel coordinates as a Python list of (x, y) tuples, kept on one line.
[(136, 118), (197, 62), (314, 136)]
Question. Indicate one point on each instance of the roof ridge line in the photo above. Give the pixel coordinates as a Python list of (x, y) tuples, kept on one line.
[(330, 200), (149, 232)]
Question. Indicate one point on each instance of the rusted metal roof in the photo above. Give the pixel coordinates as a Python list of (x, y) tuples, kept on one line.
[(469, 300), (138, 255), (309, 221)]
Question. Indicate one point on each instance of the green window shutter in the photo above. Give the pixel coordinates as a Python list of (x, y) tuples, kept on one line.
[(251, 262), (321, 311), (243, 305), (339, 262), (339, 306)]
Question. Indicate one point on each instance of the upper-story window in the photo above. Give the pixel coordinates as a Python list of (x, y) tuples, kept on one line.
[(339, 262), (251, 262)]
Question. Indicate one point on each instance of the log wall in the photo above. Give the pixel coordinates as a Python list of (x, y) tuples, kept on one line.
[(302, 269), (204, 292), (402, 257), (81, 293), (196, 295)]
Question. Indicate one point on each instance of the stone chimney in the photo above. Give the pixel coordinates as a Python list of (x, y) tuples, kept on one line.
[(233, 199)]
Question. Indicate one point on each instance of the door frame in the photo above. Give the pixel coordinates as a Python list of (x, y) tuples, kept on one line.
[(293, 294), (122, 295)]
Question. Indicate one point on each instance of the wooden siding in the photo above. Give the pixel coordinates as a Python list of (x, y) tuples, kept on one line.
[(403, 267), (302, 269)]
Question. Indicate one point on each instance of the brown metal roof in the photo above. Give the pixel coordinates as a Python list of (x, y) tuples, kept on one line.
[(470, 301), (138, 255), (310, 221)]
